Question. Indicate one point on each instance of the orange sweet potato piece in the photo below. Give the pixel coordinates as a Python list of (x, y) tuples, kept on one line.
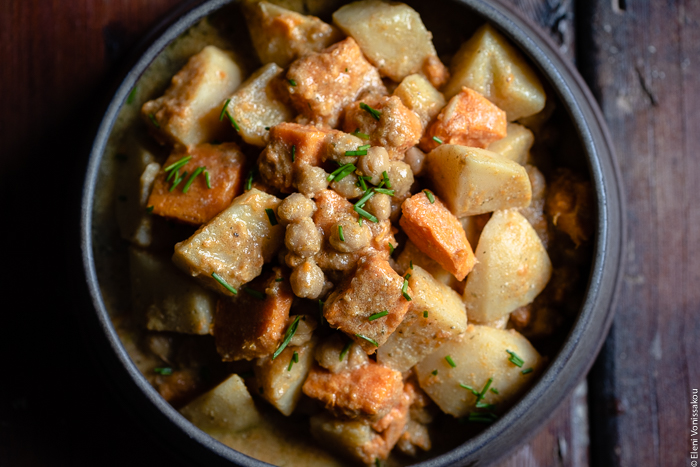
[(468, 119), (248, 326), (225, 164), (437, 233)]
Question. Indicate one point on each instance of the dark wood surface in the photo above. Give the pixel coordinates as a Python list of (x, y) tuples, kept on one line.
[(641, 59)]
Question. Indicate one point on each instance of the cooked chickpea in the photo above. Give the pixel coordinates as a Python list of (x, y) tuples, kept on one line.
[(401, 177), (416, 159), (294, 207), (328, 354), (347, 187), (311, 180), (374, 164), (338, 144), (307, 280), (380, 206), (303, 238), (354, 237)]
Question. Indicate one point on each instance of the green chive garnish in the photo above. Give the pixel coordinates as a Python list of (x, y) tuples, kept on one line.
[(515, 360), (149, 209), (529, 370), (178, 164), (368, 339), (494, 390), (191, 179), (384, 191), (345, 351), (294, 152), (225, 284), (411, 264), (482, 417), (361, 202), (131, 97), (373, 112), (364, 146), (287, 337), (224, 109), (271, 216), (365, 214), (376, 459), (471, 389), (207, 178), (391, 249), (430, 196), (341, 172), (177, 181), (425, 314), (484, 405), (153, 120), (249, 180), (385, 179), (437, 140), (233, 122), (267, 128), (486, 388), (359, 152), (254, 293), (163, 370), (340, 233), (404, 289), (361, 183), (360, 135), (279, 279), (434, 372), (293, 360), (381, 314), (292, 82), (449, 360)]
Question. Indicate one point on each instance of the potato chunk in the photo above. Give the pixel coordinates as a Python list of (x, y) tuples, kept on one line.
[(369, 391), (251, 325), (281, 36), (437, 233), (226, 408), (490, 65), (469, 119), (391, 35), (475, 181), (374, 288), (479, 355), (169, 300), (281, 379), (261, 102), (411, 255), (137, 171), (188, 112), (416, 93), (322, 84), (397, 129), (224, 163), (437, 314), (512, 268), (234, 244), (516, 145)]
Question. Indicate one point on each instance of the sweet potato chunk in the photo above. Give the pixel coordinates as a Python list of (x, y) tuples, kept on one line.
[(368, 392), (250, 325), (281, 36), (569, 203), (374, 288), (416, 93), (437, 233), (261, 102), (322, 84), (234, 244), (397, 129), (188, 112), (224, 163), (469, 119), (516, 145)]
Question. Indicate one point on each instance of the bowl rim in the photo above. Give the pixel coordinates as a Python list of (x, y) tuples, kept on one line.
[(573, 359)]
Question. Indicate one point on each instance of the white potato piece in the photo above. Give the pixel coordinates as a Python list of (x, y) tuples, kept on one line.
[(437, 314), (480, 354), (391, 35), (188, 112), (512, 268), (226, 408), (475, 181), (416, 93), (260, 103), (137, 171), (490, 65), (235, 244), (281, 384), (412, 255), (169, 300), (281, 36), (354, 439), (516, 145)]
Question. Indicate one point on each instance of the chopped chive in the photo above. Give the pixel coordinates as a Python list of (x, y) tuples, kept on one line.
[(224, 110), (177, 181), (529, 370), (361, 202), (484, 405), (163, 370), (121, 157), (249, 180), (207, 178), (340, 233), (411, 264), (287, 337), (381, 314), (194, 175), (373, 112), (386, 179), (486, 388), (345, 351), (225, 284), (149, 209), (430, 196), (451, 362), (279, 279), (471, 389), (515, 360), (494, 390), (365, 214), (359, 152), (404, 288), (359, 221), (341, 172), (425, 314), (173, 173), (376, 459), (267, 128), (292, 82), (293, 360), (384, 191), (362, 184), (233, 122), (364, 147), (153, 120), (177, 164), (132, 95), (294, 152), (346, 70), (360, 135), (391, 249), (482, 417), (254, 293), (368, 339), (271, 216), (434, 372), (437, 140)]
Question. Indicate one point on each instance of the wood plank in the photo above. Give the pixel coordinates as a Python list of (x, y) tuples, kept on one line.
[(643, 67)]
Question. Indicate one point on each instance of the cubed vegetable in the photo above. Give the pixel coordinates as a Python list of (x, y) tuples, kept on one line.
[(416, 93), (516, 144), (137, 171), (411, 255)]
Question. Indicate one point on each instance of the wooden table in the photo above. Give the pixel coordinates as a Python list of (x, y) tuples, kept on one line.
[(640, 58)]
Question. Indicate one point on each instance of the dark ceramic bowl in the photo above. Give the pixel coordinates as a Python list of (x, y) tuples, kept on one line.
[(568, 365)]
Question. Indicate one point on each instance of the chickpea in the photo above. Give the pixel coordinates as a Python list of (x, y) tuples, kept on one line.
[(416, 159), (327, 354), (338, 144), (355, 236), (307, 280), (374, 164), (294, 207), (347, 187), (311, 180), (303, 238), (380, 206), (401, 177)]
